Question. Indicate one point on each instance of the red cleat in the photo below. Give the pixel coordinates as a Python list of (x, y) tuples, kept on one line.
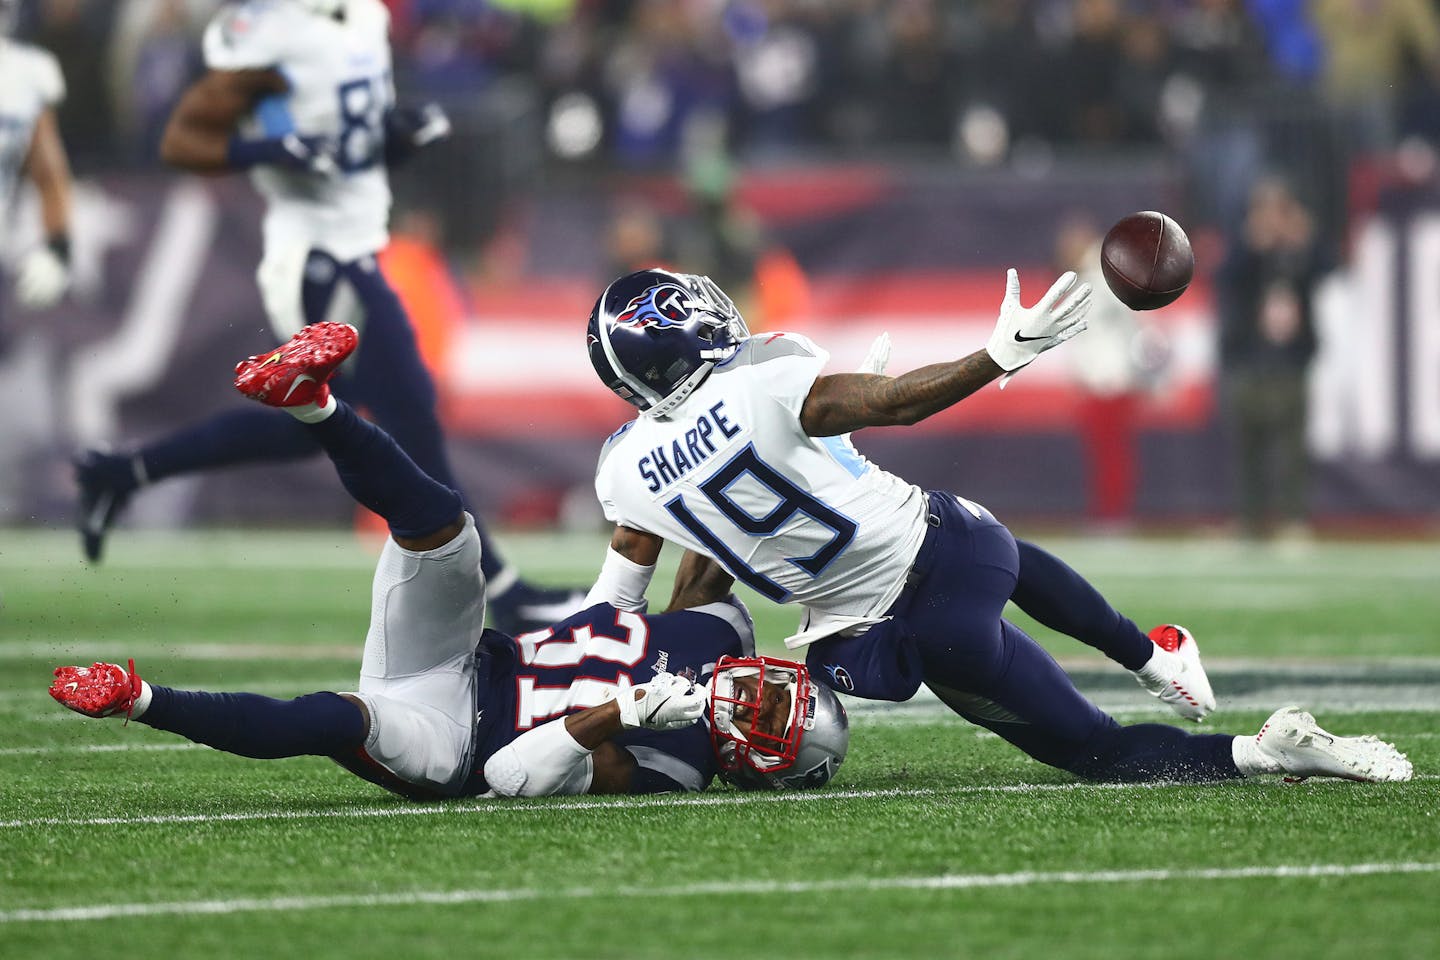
[(100, 690), (296, 373)]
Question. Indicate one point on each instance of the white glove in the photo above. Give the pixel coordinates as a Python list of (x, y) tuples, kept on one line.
[(42, 279), (1023, 333), (666, 703), (311, 154), (879, 356)]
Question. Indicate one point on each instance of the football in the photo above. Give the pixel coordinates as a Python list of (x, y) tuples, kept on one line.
[(1146, 260)]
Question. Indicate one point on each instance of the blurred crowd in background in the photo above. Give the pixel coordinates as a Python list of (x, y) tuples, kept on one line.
[(1233, 85)]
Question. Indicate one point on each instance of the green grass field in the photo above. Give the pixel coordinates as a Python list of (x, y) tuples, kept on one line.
[(936, 839)]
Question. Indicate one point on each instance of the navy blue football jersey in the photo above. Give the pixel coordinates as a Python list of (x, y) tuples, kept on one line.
[(582, 660)]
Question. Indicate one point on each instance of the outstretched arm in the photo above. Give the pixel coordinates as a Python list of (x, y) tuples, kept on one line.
[(844, 402), (849, 401)]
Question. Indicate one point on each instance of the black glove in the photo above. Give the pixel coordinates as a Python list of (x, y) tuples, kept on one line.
[(409, 129)]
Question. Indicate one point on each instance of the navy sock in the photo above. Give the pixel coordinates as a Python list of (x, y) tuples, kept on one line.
[(390, 381), (319, 724), (1153, 751), (1058, 597), (381, 477), (232, 437)]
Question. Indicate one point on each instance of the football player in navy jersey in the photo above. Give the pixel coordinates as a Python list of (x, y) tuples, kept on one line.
[(299, 94), (606, 701)]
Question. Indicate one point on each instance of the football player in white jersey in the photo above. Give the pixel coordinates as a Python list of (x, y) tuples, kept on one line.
[(739, 453), (31, 87), (299, 94), (605, 701)]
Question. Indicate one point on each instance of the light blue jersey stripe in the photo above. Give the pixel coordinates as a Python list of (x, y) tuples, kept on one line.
[(845, 454), (273, 112)]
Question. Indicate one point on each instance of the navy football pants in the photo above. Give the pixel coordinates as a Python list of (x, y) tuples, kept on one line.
[(950, 632), (386, 377)]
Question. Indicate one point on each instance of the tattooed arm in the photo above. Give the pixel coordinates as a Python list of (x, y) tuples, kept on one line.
[(848, 401)]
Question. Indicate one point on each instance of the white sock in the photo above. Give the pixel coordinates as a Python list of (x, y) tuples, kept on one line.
[(1162, 665), (1249, 760), (313, 412), (142, 702)]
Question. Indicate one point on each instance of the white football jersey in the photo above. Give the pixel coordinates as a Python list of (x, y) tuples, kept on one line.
[(340, 87), (30, 83), (732, 475)]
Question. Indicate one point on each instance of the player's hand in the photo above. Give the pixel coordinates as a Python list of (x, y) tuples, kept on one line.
[(1023, 333), (666, 703), (42, 279), (879, 356), (411, 129), (310, 154), (292, 151)]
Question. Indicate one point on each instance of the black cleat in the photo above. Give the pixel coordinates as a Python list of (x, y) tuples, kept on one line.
[(525, 607), (106, 482)]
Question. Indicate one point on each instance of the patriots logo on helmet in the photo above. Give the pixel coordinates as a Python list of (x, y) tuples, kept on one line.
[(663, 305), (816, 776)]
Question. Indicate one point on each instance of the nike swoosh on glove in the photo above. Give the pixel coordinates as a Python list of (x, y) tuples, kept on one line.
[(1023, 333), (666, 703)]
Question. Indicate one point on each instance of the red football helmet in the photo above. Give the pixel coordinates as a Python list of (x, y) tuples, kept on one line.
[(772, 728)]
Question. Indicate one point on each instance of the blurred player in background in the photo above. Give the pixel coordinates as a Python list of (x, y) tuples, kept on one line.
[(1266, 292), (739, 453), (31, 87), (299, 93), (1104, 367), (606, 701)]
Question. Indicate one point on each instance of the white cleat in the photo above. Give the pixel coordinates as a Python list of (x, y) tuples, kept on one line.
[(1293, 739), (1174, 674)]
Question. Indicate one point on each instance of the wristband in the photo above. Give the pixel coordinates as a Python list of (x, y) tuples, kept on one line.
[(241, 154), (59, 245)]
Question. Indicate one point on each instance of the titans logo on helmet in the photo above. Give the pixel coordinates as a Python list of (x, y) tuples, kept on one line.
[(663, 305)]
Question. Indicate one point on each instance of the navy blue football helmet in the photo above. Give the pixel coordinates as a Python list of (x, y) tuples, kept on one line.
[(655, 335)]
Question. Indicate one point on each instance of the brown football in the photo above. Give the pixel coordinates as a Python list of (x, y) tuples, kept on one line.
[(1146, 260)]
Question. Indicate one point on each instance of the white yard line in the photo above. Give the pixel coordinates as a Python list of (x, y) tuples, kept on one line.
[(97, 748), (116, 651), (963, 881), (566, 806)]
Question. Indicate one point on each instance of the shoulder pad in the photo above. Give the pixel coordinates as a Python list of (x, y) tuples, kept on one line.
[(613, 440), (251, 35), (773, 346)]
